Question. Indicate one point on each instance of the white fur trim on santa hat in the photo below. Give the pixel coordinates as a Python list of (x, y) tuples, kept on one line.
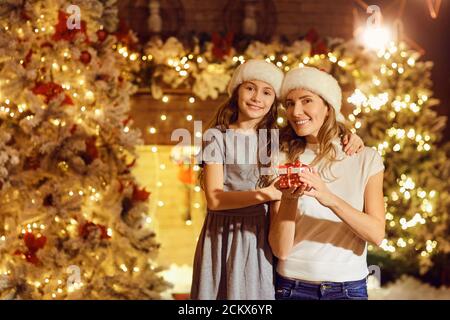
[(317, 81), (255, 69)]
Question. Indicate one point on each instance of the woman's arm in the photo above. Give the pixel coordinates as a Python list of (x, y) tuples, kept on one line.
[(282, 222), (368, 225), (218, 199)]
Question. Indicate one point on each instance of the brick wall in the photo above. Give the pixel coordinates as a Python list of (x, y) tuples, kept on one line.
[(291, 18)]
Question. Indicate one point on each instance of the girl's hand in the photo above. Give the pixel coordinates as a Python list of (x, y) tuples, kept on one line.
[(272, 191), (319, 189), (352, 144)]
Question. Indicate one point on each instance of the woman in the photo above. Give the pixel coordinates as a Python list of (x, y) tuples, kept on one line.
[(319, 230)]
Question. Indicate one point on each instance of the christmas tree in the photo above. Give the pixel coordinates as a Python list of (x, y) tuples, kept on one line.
[(73, 221), (394, 113)]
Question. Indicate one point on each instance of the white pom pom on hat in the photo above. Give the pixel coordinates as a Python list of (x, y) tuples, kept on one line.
[(257, 69), (316, 81)]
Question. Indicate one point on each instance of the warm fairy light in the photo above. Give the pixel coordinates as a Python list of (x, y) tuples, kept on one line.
[(163, 117), (159, 184), (154, 149), (189, 117), (126, 129), (376, 38), (280, 120), (123, 267), (160, 203), (162, 166), (188, 222), (165, 99), (148, 220), (136, 269), (152, 130), (197, 189), (89, 95), (196, 205), (191, 100)]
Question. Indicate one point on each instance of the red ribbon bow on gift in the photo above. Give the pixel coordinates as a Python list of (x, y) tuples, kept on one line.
[(289, 174)]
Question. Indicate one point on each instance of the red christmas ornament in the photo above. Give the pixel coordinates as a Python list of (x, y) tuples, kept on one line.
[(86, 229), (140, 195), (50, 90), (33, 244), (319, 48), (221, 46), (312, 36), (85, 57), (123, 35), (64, 33), (289, 174), (101, 35)]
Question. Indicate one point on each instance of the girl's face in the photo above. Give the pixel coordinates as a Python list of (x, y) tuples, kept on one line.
[(255, 99), (306, 112)]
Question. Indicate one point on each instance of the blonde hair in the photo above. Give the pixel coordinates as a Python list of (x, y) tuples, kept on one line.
[(294, 145)]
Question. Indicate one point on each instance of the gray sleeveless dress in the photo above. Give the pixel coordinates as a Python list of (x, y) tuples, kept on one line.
[(233, 260)]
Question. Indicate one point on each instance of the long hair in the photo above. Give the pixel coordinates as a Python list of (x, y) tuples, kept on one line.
[(228, 114), (294, 145)]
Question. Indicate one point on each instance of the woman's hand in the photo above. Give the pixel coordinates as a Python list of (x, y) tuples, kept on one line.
[(352, 144), (319, 189), (292, 193)]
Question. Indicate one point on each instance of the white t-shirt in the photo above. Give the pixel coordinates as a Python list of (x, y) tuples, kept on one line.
[(325, 248)]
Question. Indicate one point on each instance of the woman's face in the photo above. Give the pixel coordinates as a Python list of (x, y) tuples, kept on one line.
[(306, 112), (255, 99)]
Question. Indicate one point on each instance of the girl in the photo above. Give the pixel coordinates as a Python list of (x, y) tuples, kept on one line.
[(233, 259), (319, 231)]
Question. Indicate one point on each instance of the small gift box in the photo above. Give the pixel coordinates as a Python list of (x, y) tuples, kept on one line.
[(289, 174)]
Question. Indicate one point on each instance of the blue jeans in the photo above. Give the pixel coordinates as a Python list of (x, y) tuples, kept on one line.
[(288, 289)]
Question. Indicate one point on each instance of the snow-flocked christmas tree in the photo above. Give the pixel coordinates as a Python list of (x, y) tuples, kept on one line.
[(73, 221)]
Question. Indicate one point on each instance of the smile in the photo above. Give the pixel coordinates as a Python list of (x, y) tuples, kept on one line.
[(302, 122), (253, 107)]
